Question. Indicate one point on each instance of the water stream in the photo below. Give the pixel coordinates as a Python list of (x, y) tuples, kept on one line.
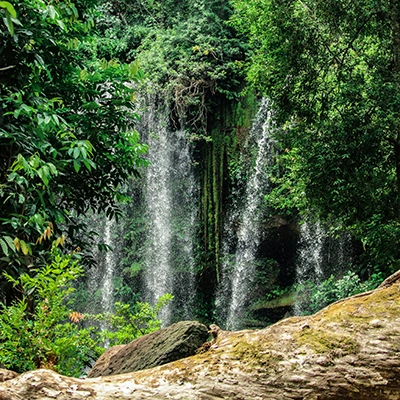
[(171, 203), (234, 291)]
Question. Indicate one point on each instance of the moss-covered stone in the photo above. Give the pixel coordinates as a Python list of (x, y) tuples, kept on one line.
[(349, 350)]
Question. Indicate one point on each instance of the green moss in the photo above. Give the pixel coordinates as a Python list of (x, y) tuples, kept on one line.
[(360, 309), (254, 355), (327, 342)]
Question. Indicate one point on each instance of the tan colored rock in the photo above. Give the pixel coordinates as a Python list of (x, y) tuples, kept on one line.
[(6, 375), (349, 350)]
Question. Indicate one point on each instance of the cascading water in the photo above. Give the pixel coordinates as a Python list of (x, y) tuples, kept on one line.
[(109, 270), (318, 256), (171, 202), (234, 290), (158, 278), (163, 219), (309, 259), (100, 282)]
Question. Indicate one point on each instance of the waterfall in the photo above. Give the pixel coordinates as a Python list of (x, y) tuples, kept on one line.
[(101, 278), (238, 282), (171, 202), (318, 256), (152, 246), (158, 278), (309, 263), (109, 270)]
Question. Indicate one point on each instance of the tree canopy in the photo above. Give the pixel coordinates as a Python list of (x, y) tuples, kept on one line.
[(332, 70), (67, 128)]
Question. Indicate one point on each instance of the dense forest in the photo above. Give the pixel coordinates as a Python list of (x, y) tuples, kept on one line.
[(81, 86)]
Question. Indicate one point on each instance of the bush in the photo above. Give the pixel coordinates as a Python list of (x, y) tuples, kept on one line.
[(312, 297), (40, 330)]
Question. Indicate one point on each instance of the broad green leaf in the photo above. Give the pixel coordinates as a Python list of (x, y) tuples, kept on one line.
[(61, 24), (52, 168), (10, 242), (52, 11), (9, 7), (77, 152), (44, 175), (87, 164)]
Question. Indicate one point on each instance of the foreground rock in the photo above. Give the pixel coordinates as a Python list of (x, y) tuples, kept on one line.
[(349, 350), (177, 341), (6, 375)]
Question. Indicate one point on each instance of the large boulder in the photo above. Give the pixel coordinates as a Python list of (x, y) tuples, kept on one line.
[(349, 350), (177, 341)]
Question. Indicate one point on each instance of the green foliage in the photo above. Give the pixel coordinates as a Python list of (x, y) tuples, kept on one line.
[(36, 331), (67, 130), (311, 297), (129, 322), (332, 71), (186, 50), (41, 330)]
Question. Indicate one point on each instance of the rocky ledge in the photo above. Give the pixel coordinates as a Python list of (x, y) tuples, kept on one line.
[(349, 350)]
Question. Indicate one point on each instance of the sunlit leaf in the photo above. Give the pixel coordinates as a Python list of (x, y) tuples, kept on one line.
[(9, 7)]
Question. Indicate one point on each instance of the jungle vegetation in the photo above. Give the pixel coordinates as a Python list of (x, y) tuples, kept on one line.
[(69, 75)]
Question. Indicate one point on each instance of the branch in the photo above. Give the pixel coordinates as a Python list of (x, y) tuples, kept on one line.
[(9, 67)]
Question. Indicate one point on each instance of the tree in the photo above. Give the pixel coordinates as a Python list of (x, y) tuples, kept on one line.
[(332, 70), (67, 138), (186, 49)]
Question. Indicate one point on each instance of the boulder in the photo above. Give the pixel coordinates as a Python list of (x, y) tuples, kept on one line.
[(177, 341), (349, 350)]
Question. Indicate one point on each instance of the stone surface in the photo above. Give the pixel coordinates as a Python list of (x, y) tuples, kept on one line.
[(349, 350), (177, 341), (6, 375)]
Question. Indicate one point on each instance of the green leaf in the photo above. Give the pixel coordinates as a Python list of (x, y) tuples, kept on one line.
[(9, 7), (40, 61), (24, 247), (52, 12), (44, 174), (87, 164), (61, 24), (4, 247), (9, 24), (52, 168), (10, 242), (77, 166)]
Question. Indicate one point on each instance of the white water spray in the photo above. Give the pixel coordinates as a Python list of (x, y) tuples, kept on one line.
[(171, 206), (249, 233)]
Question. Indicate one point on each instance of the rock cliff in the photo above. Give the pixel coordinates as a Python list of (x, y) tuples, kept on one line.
[(349, 350)]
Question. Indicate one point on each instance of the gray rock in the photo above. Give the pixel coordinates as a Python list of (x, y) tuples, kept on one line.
[(177, 341)]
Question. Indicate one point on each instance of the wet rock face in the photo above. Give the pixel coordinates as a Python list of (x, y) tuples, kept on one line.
[(177, 341), (349, 350)]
